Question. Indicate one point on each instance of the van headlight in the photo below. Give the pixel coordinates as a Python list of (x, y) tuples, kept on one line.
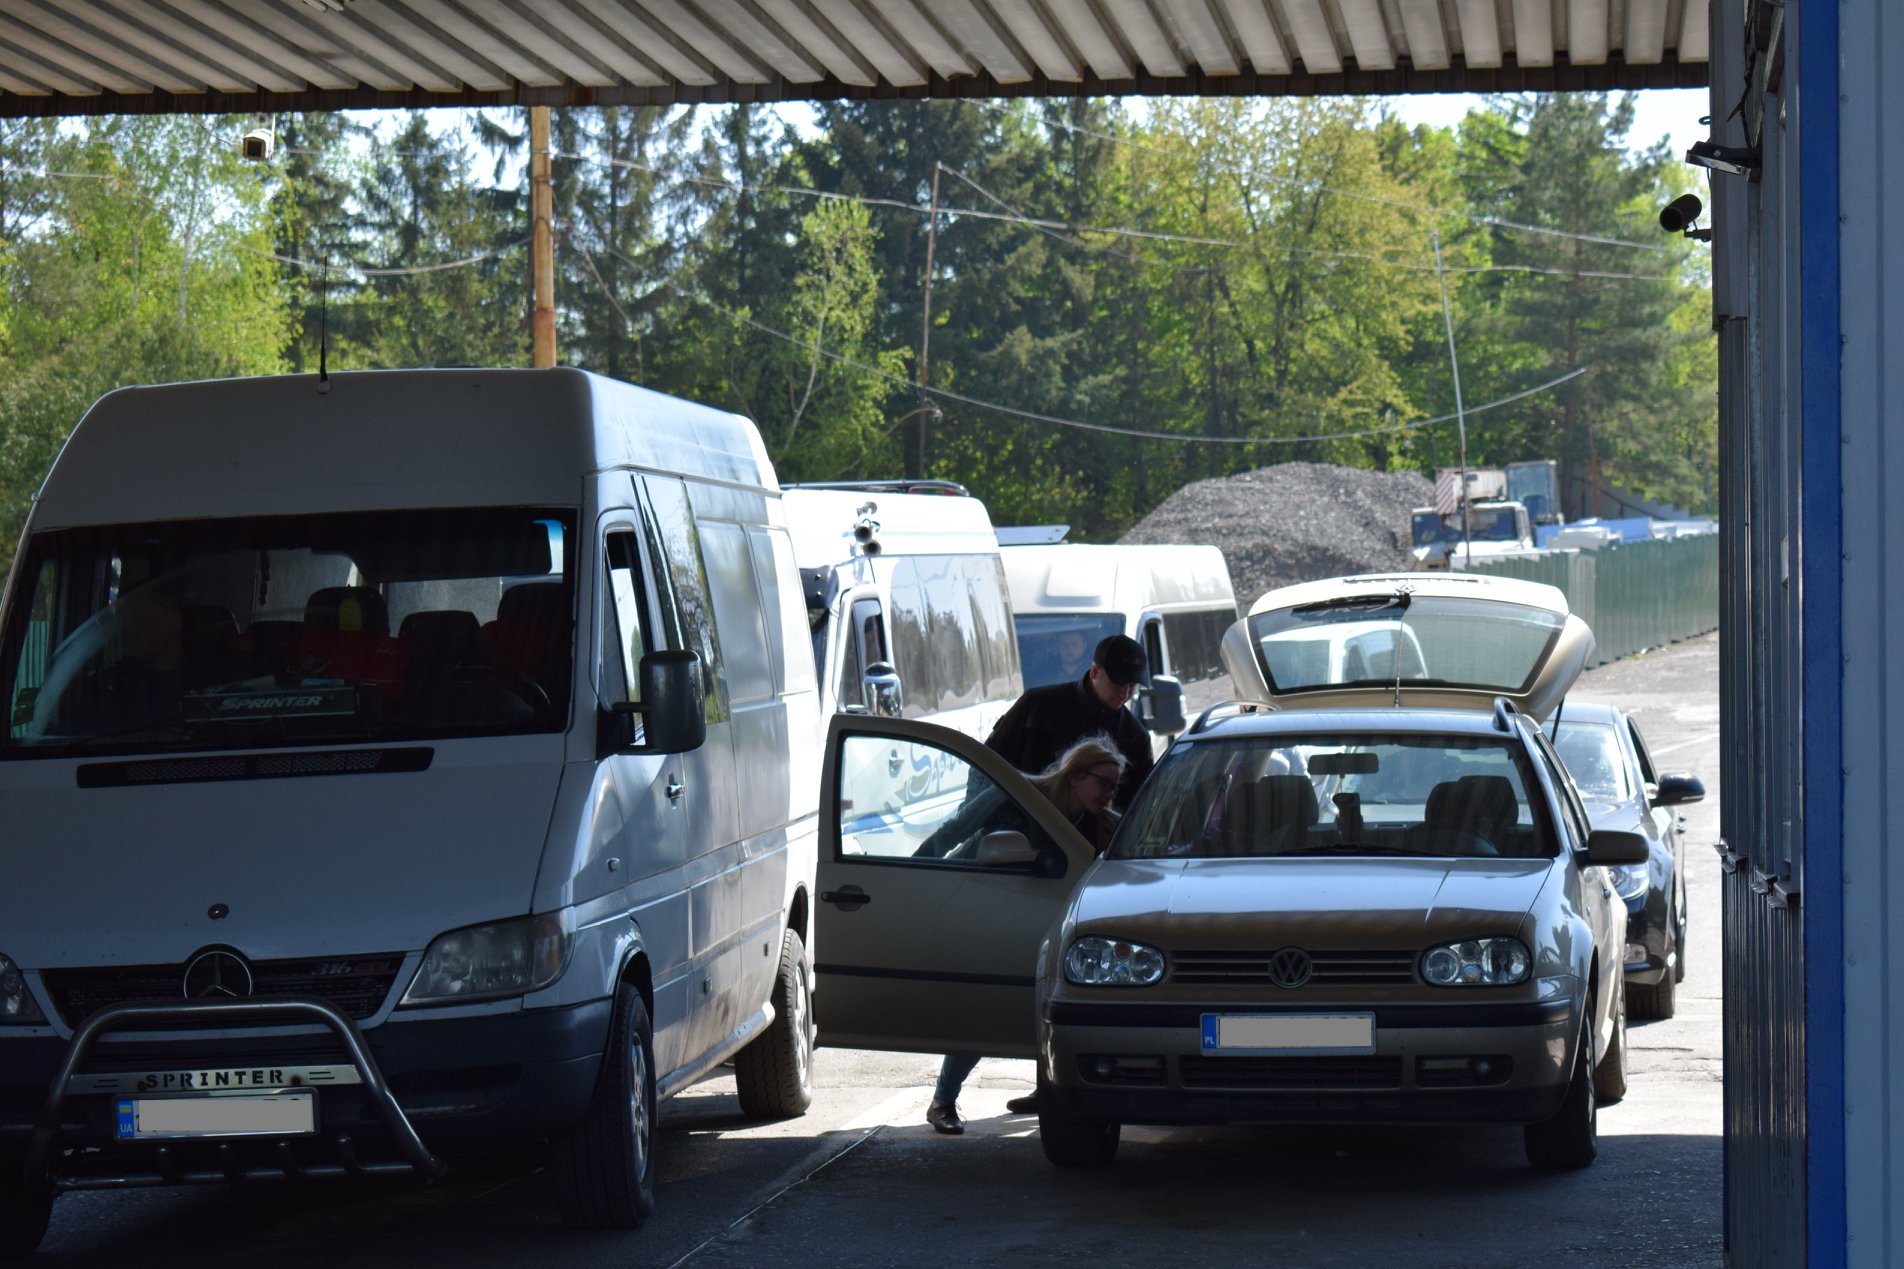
[(1103, 962), (482, 962), (1477, 963), (16, 1002)]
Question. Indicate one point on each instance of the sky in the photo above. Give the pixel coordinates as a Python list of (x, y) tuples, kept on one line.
[(1673, 113)]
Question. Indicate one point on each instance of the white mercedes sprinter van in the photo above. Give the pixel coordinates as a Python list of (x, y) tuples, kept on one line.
[(1175, 600), (407, 762), (907, 601)]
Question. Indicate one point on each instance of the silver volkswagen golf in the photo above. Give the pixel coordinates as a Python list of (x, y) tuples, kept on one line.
[(1365, 892)]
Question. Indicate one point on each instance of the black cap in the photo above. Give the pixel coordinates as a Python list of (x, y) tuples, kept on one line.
[(1122, 658)]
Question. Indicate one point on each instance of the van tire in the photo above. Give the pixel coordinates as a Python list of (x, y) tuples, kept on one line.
[(1571, 1138), (23, 1214), (774, 1073), (604, 1168)]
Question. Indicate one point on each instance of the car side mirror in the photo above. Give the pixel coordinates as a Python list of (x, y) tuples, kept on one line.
[(673, 704), (1617, 846), (1676, 788), (1160, 706), (885, 694), (1006, 848)]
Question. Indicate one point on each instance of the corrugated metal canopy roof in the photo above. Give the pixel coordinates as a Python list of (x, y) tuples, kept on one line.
[(190, 56)]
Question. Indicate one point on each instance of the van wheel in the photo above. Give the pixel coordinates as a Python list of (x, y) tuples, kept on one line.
[(774, 1074), (1071, 1142), (23, 1213), (604, 1168), (1571, 1138), (1609, 1076)]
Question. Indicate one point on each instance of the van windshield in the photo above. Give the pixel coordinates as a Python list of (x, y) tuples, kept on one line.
[(325, 629), (1057, 647)]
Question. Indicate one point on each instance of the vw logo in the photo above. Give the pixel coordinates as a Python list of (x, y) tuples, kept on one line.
[(1289, 967), (217, 975)]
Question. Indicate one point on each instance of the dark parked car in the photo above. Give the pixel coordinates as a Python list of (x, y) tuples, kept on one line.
[(1609, 763)]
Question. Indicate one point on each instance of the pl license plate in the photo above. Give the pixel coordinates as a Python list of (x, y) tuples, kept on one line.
[(275, 1114), (1289, 1033)]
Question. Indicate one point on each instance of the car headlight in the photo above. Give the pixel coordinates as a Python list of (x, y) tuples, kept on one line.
[(505, 958), (1630, 880), (1477, 963), (16, 1002), (1101, 962)]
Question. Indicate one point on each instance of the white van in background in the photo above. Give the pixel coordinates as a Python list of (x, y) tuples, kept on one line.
[(394, 764), (906, 600), (1175, 600)]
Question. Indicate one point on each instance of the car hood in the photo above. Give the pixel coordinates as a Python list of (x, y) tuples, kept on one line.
[(1345, 903), (309, 866)]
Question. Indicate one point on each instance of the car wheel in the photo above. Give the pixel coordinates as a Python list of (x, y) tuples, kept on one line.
[(1071, 1142), (23, 1213), (774, 1074), (1660, 999), (1571, 1138), (1609, 1073), (604, 1168)]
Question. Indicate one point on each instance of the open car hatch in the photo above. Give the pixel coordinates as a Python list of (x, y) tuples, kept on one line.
[(1410, 640)]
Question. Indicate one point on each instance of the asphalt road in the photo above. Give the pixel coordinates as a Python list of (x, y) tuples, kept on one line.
[(862, 1181)]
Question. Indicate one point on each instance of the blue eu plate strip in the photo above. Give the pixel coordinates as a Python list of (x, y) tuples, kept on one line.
[(128, 1121), (1209, 1033)]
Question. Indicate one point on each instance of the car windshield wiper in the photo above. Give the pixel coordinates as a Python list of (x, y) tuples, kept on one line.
[(1351, 848)]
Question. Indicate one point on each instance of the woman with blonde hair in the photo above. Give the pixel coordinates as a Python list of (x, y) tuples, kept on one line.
[(1081, 784)]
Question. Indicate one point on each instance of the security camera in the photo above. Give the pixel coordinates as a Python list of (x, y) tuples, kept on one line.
[(1680, 216), (258, 144), (1679, 213)]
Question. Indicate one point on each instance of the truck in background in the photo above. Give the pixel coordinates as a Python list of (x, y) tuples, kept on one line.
[(1175, 600), (1493, 529), (1535, 484)]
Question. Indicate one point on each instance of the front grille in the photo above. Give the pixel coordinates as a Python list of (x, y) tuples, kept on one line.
[(1331, 968), (357, 985), (1374, 1071)]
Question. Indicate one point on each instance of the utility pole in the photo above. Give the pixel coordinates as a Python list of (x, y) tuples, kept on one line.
[(925, 332), (542, 240), (1460, 413)]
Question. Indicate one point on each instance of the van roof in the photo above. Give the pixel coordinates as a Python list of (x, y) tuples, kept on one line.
[(1081, 577), (821, 522), (380, 439)]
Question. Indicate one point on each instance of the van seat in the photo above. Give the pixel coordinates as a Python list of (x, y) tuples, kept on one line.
[(209, 633), (531, 635), (347, 635)]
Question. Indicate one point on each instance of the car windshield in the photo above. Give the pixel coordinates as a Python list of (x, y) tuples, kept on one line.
[(1485, 524), (1422, 640), (1591, 752), (290, 629), (1057, 647), (1379, 795)]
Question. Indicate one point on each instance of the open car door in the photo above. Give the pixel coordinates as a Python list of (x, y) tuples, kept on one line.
[(941, 872)]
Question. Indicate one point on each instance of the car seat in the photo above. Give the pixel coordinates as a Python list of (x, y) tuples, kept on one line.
[(1473, 806), (1271, 815)]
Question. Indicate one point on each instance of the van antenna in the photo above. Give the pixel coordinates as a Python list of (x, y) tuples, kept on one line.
[(1402, 594), (323, 325)]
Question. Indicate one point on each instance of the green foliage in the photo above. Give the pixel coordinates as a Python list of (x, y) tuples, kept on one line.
[(1247, 281)]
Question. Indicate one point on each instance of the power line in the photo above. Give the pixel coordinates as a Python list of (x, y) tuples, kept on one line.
[(1034, 416), (347, 266)]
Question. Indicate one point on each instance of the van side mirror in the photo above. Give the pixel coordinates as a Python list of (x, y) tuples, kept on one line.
[(1617, 846), (673, 702), (885, 694), (1160, 706), (1676, 788)]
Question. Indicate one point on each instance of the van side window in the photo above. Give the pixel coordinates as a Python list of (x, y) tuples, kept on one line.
[(747, 658), (688, 611), (1196, 655), (998, 648), (31, 673), (1154, 647), (622, 630), (865, 645)]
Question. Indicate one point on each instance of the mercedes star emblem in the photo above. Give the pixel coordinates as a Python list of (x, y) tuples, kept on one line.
[(217, 975)]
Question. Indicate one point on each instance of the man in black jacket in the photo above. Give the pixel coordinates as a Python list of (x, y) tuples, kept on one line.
[(1046, 721)]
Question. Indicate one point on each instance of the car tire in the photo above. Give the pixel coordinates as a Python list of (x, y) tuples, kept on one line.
[(1571, 1138), (774, 1074), (1652, 1001), (1071, 1142), (1679, 935), (1609, 1073), (23, 1214), (604, 1169)]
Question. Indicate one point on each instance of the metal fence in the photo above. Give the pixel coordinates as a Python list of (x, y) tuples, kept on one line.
[(1635, 595)]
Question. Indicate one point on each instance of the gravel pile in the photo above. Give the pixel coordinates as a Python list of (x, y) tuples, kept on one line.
[(1294, 522)]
